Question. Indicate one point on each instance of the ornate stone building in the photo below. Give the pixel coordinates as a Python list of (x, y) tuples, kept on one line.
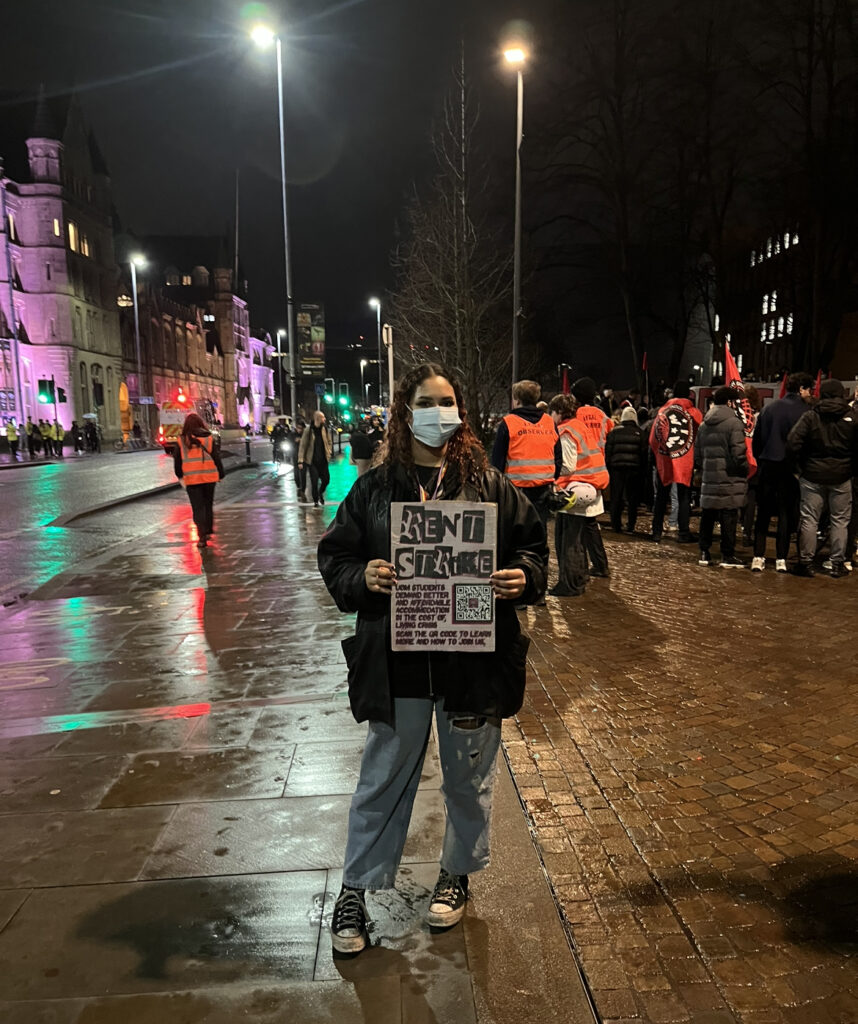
[(58, 313)]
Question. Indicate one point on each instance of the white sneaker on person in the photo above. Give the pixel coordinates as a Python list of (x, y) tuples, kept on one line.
[(826, 564), (758, 563), (847, 566), (447, 903), (780, 565), (349, 924)]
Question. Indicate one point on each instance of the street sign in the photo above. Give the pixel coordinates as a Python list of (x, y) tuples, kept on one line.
[(146, 400), (320, 389)]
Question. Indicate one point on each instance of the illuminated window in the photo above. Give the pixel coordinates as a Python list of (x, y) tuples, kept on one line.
[(773, 305), (764, 333), (74, 237), (787, 240), (789, 324), (717, 322), (781, 326), (777, 245), (769, 248), (57, 231), (186, 279), (795, 239), (753, 259), (84, 245), (772, 331), (739, 362), (765, 305)]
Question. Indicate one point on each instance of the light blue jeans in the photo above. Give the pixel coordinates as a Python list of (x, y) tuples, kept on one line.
[(814, 498), (389, 775)]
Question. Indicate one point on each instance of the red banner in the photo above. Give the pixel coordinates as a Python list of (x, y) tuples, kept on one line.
[(746, 414)]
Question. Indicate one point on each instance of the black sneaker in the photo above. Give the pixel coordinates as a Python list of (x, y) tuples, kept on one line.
[(803, 569), (704, 559), (349, 922), (448, 900), (732, 563), (686, 538), (838, 571)]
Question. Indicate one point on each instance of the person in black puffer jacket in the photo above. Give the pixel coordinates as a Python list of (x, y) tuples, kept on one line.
[(721, 457), (626, 451), (430, 453), (824, 444)]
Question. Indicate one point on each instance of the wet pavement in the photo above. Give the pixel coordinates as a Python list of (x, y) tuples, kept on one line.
[(176, 763), (688, 757)]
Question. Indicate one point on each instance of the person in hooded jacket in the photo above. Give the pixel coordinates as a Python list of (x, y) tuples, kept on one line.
[(626, 459), (430, 453), (721, 455), (671, 439), (824, 445)]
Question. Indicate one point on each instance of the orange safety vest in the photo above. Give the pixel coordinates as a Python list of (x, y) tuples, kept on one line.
[(530, 456), (589, 435), (198, 466)]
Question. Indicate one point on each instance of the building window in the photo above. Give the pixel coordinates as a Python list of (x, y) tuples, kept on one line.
[(773, 305), (74, 237), (186, 279), (781, 326), (764, 333), (789, 324), (772, 331), (795, 239), (84, 245), (753, 259), (765, 305), (57, 230), (13, 230), (47, 271), (739, 362), (787, 240)]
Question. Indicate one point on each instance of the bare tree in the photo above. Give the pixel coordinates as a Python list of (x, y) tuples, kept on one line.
[(453, 297)]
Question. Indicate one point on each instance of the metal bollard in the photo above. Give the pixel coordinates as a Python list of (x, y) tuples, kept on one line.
[(247, 449)]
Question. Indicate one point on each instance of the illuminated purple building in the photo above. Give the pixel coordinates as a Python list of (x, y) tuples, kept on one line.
[(58, 275)]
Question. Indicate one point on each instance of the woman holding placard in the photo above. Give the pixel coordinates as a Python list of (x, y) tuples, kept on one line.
[(430, 454)]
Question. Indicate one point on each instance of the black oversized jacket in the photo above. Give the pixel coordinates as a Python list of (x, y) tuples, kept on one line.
[(824, 442), (486, 684)]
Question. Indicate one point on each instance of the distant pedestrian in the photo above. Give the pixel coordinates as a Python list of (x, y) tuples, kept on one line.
[(824, 444), (136, 431), (431, 452), (626, 458), (58, 435), (721, 455), (47, 442), (671, 440), (315, 454), (197, 464), (77, 437), (591, 427), (12, 438), (777, 487), (33, 438), (299, 471)]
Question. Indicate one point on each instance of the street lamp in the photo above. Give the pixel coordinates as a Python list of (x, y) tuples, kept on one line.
[(515, 56), (263, 36), (280, 354), (363, 363), (137, 261), (376, 305)]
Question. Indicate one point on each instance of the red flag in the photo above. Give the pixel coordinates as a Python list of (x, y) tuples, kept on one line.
[(565, 388), (746, 414), (644, 366), (818, 384), (782, 391)]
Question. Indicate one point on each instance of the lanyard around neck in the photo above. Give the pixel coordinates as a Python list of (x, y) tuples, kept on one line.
[(424, 494)]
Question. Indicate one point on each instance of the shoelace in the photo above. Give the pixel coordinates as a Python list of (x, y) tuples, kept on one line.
[(448, 889), (350, 911)]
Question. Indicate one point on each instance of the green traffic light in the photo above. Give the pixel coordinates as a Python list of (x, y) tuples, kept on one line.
[(344, 400), (347, 416), (43, 398), (329, 399)]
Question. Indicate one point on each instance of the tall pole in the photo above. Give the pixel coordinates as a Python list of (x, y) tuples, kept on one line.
[(280, 375), (388, 343), (516, 272), (137, 336), (290, 307), (378, 320), (362, 392)]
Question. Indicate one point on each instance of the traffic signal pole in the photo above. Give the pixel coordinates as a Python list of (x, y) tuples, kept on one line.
[(54, 393)]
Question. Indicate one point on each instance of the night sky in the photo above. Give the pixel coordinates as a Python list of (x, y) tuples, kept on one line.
[(178, 98)]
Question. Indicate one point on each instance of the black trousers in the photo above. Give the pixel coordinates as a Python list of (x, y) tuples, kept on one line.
[(571, 555), (626, 488), (728, 518), (777, 495), (320, 477), (538, 497), (300, 473), (201, 497), (662, 494)]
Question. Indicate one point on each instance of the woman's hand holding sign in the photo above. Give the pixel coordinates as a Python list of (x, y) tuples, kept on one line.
[(380, 576), (508, 584)]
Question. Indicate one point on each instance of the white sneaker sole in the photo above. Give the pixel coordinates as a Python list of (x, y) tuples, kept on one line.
[(349, 943), (444, 918)]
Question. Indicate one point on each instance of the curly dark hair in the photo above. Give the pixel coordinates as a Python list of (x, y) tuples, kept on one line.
[(465, 454)]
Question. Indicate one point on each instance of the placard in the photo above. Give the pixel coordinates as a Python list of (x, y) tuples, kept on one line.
[(444, 553)]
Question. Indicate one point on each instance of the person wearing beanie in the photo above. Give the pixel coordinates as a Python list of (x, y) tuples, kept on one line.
[(589, 431), (671, 439), (625, 457), (824, 445)]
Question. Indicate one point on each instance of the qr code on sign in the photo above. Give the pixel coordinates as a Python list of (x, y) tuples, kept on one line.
[(472, 602)]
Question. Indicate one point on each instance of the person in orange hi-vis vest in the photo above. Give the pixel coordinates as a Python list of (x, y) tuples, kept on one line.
[(526, 447), (590, 428), (197, 465)]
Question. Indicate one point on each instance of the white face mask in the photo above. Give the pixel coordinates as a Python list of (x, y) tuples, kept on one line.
[(435, 425)]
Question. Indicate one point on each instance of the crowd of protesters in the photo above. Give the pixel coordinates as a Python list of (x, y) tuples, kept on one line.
[(740, 465)]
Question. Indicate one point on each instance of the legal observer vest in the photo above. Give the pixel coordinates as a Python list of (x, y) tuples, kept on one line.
[(198, 466), (589, 438), (530, 457)]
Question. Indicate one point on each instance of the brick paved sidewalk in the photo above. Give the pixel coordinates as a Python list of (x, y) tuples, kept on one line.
[(688, 756)]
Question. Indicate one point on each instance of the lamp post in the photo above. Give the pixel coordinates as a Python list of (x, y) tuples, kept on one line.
[(516, 57), (363, 363), (280, 354), (264, 36), (137, 261), (376, 305)]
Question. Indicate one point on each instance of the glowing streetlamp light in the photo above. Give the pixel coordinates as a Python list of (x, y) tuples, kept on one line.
[(137, 260), (263, 36), (516, 57), (376, 305), (363, 364)]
